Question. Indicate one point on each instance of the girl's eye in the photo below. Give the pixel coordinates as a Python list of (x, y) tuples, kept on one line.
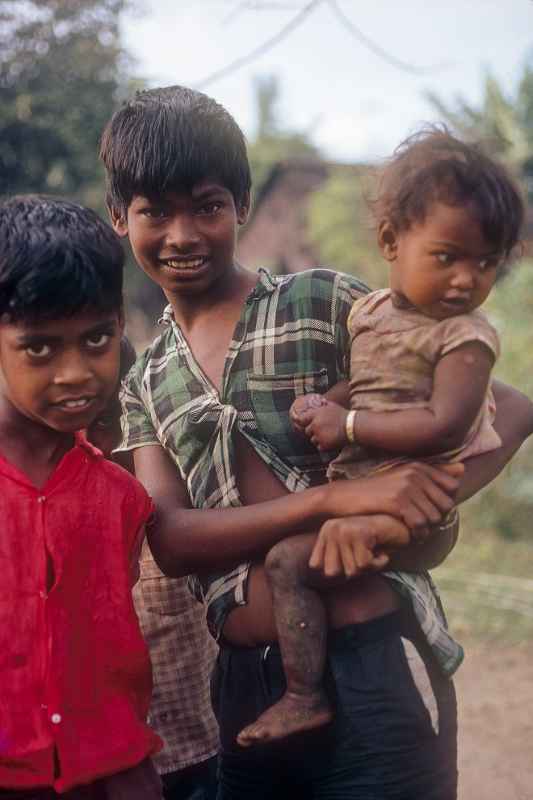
[(98, 341), (37, 351), (444, 258)]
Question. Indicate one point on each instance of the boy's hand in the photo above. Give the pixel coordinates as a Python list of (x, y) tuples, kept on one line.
[(303, 403), (326, 426), (417, 494), (353, 545)]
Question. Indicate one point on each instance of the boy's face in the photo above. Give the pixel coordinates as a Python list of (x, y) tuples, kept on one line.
[(60, 373), (443, 266), (184, 241)]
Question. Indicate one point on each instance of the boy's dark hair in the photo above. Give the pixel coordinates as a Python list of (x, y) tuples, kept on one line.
[(432, 165), (168, 139), (56, 259)]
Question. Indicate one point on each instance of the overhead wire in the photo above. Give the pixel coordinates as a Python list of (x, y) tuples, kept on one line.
[(238, 63), (294, 23), (375, 48)]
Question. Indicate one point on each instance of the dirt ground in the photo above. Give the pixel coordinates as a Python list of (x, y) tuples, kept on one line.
[(495, 698)]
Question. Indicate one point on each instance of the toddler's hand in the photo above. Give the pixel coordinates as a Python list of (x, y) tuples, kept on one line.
[(303, 403), (326, 426)]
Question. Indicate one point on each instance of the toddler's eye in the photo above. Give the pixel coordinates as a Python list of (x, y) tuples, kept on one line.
[(444, 258), (98, 341)]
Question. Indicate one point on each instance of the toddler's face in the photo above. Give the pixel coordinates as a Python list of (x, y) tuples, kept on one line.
[(443, 266)]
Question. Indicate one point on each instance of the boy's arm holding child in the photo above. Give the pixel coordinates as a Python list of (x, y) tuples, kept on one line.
[(184, 539), (514, 424)]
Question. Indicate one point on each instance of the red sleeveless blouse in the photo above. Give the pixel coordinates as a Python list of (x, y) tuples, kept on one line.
[(75, 676)]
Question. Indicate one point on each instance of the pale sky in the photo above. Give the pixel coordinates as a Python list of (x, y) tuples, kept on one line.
[(355, 104)]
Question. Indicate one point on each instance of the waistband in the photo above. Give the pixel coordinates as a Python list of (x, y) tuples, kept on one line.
[(400, 622)]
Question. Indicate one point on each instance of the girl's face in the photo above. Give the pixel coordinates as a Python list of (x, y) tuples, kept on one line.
[(443, 266)]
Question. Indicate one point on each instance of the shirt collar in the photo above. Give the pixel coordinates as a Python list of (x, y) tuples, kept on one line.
[(82, 441), (266, 284)]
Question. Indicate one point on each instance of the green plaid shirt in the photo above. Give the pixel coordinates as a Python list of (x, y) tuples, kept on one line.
[(291, 339)]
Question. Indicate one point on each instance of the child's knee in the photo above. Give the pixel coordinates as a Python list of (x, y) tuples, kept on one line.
[(286, 561)]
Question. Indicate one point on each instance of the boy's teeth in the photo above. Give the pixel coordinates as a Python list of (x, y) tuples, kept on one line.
[(190, 263)]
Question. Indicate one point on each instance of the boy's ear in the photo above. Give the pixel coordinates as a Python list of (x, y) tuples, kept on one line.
[(244, 209), (119, 221), (388, 240)]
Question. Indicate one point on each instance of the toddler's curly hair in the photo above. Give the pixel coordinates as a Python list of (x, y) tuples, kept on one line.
[(432, 166)]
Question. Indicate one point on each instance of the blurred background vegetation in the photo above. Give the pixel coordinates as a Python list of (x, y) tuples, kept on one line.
[(63, 70)]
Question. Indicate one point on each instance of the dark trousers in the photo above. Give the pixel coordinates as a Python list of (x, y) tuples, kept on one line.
[(197, 782), (394, 732)]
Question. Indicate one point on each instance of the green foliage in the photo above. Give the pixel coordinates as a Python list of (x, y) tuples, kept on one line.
[(62, 73), (342, 227), (503, 122), (61, 67)]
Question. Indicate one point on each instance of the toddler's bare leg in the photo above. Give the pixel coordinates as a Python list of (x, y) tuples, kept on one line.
[(302, 632)]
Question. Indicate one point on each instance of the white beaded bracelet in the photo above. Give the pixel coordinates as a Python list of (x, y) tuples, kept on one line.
[(350, 423)]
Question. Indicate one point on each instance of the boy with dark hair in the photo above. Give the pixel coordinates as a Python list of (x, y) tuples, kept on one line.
[(75, 672), (207, 415)]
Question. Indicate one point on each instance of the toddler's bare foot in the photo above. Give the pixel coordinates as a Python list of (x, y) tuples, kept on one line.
[(294, 713)]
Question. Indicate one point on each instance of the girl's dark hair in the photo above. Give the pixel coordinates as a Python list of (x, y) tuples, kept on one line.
[(168, 139), (432, 165), (56, 259)]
